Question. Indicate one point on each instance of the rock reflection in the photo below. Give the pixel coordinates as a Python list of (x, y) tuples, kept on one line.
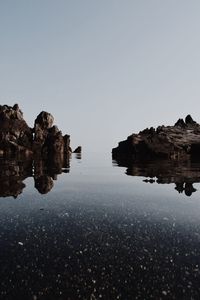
[(12, 175), (78, 155), (44, 171), (183, 175), (185, 187)]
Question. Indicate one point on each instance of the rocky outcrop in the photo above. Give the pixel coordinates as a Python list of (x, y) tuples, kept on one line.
[(17, 138), (180, 142), (15, 134), (78, 150), (41, 152)]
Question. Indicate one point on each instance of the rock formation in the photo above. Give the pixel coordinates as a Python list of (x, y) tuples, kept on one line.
[(15, 134), (180, 142), (41, 152), (78, 150), (17, 138)]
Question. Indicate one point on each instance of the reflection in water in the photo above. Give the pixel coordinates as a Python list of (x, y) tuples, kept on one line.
[(14, 172), (78, 155), (183, 175), (99, 238), (187, 187)]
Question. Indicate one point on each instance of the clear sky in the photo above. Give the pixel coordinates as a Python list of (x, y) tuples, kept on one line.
[(103, 68)]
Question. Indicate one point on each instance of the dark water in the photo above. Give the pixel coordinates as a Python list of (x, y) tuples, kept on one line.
[(100, 234)]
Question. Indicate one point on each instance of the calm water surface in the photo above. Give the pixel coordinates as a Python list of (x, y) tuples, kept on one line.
[(100, 234)]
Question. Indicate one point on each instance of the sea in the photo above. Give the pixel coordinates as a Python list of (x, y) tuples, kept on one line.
[(101, 230)]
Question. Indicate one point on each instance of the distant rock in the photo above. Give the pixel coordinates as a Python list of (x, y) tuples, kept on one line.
[(178, 142), (78, 150), (17, 138)]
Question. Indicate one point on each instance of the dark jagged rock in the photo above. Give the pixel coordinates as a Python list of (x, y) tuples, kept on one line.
[(78, 150), (17, 138), (180, 123), (189, 120), (178, 142)]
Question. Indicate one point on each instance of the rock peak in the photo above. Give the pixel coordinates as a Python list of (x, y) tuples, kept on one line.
[(189, 120), (16, 137)]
